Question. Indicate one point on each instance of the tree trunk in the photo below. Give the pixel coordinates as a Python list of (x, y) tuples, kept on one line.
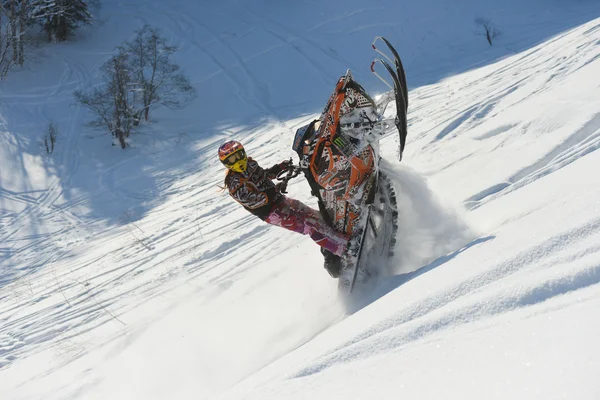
[(49, 28), (62, 29), (22, 27), (118, 129), (1, 38), (13, 29), (56, 28), (4, 61), (121, 137)]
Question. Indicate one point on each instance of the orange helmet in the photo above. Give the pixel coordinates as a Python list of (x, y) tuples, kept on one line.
[(233, 156)]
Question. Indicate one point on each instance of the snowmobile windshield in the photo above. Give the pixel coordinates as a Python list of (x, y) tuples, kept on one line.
[(302, 134), (299, 136)]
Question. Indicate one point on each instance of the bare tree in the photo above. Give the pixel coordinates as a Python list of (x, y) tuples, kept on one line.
[(6, 59), (23, 19), (59, 18), (100, 103), (114, 103), (160, 81), (8, 44), (139, 78), (13, 16), (489, 30), (15, 22)]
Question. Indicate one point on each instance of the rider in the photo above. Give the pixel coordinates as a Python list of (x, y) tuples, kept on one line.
[(251, 186)]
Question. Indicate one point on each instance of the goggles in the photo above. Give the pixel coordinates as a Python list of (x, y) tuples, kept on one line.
[(235, 157)]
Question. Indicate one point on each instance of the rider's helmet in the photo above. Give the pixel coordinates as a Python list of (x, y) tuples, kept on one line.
[(233, 156)]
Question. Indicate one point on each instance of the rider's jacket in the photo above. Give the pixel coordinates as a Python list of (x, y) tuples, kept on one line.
[(254, 189)]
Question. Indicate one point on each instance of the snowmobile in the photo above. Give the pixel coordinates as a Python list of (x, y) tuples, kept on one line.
[(339, 155)]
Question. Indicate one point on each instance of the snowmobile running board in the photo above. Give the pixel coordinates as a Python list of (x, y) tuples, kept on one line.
[(399, 87)]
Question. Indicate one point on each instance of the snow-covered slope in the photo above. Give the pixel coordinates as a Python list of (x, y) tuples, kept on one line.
[(129, 274)]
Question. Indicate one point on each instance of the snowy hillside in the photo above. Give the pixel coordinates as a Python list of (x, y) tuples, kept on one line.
[(131, 275)]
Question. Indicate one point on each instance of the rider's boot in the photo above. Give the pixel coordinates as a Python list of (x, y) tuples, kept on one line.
[(333, 263)]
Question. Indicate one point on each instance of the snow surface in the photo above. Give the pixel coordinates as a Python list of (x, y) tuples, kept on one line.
[(130, 275)]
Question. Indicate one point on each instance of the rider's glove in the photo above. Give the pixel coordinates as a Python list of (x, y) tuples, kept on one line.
[(277, 168), (285, 164)]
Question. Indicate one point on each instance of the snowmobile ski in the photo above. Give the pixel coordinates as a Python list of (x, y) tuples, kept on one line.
[(351, 263), (399, 87), (377, 240)]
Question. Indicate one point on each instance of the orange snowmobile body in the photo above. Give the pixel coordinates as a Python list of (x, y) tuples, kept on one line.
[(339, 155), (342, 168)]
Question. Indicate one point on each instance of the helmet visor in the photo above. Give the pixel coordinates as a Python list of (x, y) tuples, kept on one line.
[(235, 157)]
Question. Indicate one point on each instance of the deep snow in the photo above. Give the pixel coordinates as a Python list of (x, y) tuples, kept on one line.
[(129, 274)]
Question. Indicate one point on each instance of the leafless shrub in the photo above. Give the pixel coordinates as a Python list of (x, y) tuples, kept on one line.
[(50, 137), (487, 29)]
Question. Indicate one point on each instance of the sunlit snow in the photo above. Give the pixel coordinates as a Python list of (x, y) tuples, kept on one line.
[(129, 274)]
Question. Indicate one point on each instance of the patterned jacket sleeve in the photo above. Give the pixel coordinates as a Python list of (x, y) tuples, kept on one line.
[(247, 194)]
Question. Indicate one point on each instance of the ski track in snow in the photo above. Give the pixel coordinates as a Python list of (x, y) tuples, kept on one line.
[(524, 71), (43, 207), (247, 88), (507, 86), (74, 316), (583, 141)]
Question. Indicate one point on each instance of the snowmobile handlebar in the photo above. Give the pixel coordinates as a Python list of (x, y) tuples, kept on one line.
[(290, 172)]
